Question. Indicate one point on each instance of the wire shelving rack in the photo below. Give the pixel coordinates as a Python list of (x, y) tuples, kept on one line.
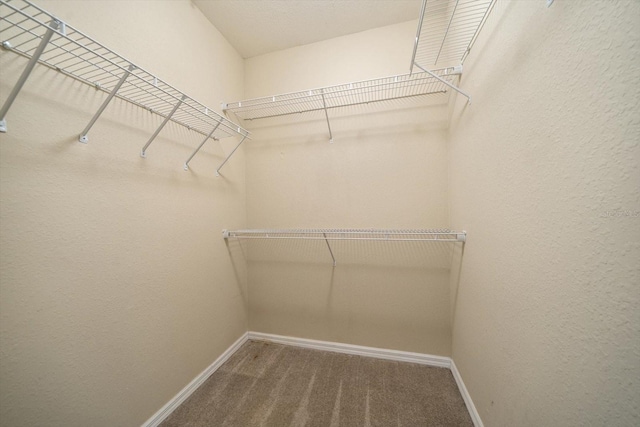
[(447, 30), (329, 234), (345, 95), (36, 34)]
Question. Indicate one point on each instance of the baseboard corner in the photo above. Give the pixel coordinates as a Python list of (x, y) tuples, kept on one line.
[(473, 412), (184, 394)]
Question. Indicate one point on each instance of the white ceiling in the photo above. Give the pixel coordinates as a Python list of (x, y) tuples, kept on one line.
[(255, 27)]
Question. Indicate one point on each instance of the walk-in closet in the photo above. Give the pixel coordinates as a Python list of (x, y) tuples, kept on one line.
[(319, 213)]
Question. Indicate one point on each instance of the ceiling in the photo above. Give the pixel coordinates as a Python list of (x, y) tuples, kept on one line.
[(256, 27)]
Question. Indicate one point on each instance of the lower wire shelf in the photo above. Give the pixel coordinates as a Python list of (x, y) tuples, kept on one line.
[(439, 235), (424, 235)]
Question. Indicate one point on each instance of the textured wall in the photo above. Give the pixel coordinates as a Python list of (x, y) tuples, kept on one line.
[(116, 288), (544, 176), (386, 169)]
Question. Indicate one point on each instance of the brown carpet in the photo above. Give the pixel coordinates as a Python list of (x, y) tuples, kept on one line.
[(265, 384)]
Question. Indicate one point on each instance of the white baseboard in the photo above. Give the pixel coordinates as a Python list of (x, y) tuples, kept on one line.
[(473, 412), (379, 353), (183, 394)]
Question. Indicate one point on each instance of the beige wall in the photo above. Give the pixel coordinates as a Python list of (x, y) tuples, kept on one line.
[(386, 169), (544, 174), (116, 288)]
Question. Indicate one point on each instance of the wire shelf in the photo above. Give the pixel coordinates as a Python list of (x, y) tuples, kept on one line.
[(32, 32), (439, 235), (344, 95), (333, 234), (447, 29)]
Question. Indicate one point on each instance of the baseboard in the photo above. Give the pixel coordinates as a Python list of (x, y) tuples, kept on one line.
[(183, 394), (379, 353), (473, 412)]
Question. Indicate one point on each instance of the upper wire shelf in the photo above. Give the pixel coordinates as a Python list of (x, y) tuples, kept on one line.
[(344, 95), (32, 32), (447, 29)]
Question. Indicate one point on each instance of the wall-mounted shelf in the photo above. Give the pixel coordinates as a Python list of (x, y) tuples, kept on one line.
[(345, 95), (34, 33), (433, 235), (447, 29)]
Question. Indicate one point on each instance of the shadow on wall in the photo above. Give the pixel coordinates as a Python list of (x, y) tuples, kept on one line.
[(393, 295)]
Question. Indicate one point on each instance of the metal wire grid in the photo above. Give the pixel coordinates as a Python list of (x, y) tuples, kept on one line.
[(22, 27), (344, 95), (351, 234), (447, 30)]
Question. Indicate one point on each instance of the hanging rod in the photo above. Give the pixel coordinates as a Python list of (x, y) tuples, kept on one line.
[(36, 34), (439, 235)]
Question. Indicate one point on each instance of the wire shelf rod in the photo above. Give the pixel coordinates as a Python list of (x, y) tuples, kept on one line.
[(442, 91), (77, 55), (143, 153), (186, 164), (137, 103), (447, 30), (83, 136), (229, 156), (443, 235), (86, 48), (381, 235), (341, 93), (343, 86), (386, 239), (344, 95), (329, 247), (446, 83), (480, 27)]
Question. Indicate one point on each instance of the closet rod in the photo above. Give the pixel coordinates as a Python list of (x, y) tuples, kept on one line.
[(439, 235)]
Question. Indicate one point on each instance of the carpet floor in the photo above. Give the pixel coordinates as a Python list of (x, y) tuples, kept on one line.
[(265, 384)]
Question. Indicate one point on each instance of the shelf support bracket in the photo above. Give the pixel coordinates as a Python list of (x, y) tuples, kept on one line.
[(326, 115), (329, 246), (54, 25), (230, 154), (186, 164), (143, 153), (83, 136), (444, 81)]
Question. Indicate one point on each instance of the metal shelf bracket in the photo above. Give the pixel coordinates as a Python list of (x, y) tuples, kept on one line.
[(186, 164), (230, 154), (143, 153), (457, 89), (329, 246), (326, 115), (54, 25), (84, 138)]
